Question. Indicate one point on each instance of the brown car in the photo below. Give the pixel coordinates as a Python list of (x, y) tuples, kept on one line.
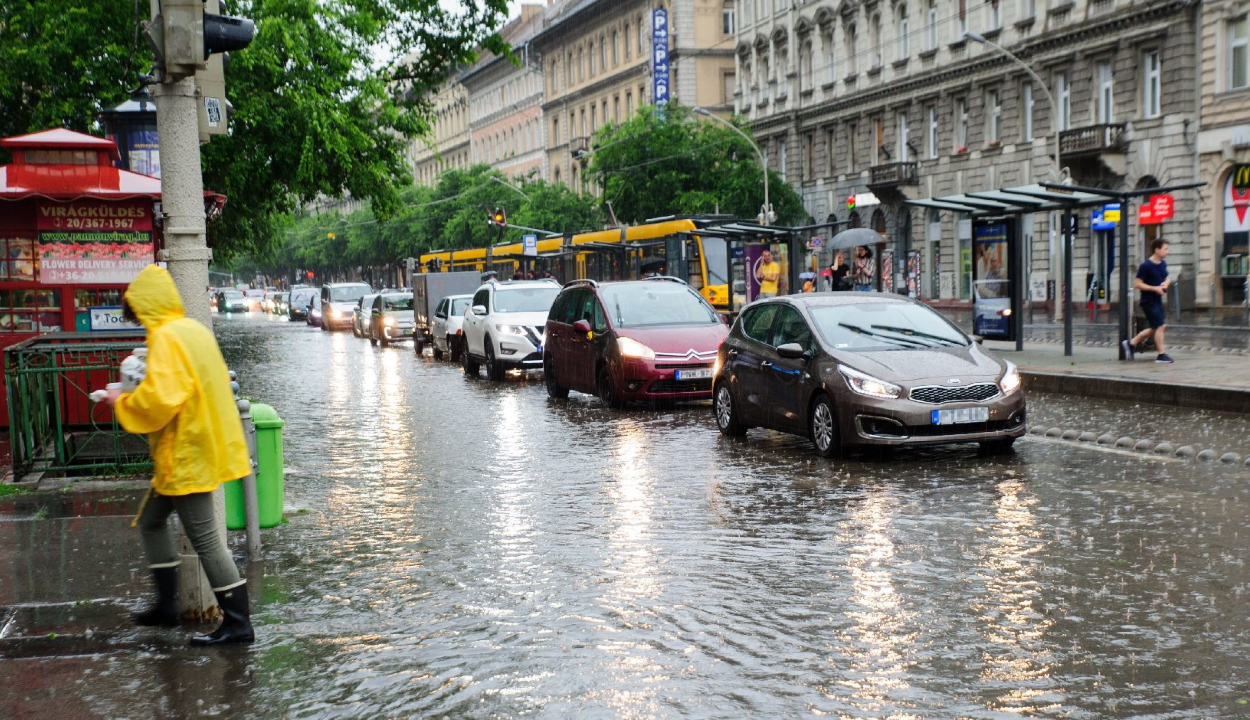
[(854, 368)]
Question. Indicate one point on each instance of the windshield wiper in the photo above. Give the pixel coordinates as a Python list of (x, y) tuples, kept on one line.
[(917, 333), (888, 338)]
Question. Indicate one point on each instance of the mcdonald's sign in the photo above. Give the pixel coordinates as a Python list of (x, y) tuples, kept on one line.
[(1241, 178)]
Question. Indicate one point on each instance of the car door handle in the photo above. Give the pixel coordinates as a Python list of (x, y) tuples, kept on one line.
[(766, 364)]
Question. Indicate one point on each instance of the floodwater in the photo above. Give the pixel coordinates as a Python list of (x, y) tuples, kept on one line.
[(462, 548)]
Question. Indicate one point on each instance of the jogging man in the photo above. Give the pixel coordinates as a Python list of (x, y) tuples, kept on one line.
[(1153, 282)]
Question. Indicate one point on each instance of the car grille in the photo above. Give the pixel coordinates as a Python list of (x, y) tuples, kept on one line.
[(962, 429), (937, 394), (681, 366), (681, 386)]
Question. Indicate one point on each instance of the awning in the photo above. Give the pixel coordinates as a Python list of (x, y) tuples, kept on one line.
[(72, 182), (1018, 200)]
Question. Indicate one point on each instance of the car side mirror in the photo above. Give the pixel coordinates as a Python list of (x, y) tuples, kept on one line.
[(725, 319), (581, 326), (978, 339), (479, 309), (791, 351)]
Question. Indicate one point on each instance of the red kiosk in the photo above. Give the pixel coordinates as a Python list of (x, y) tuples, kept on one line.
[(74, 231)]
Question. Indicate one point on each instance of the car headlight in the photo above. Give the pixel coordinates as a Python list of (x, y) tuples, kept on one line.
[(865, 384), (633, 348), (388, 321), (508, 329), (1010, 381)]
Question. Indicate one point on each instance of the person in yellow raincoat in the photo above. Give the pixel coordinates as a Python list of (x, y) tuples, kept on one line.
[(186, 407)]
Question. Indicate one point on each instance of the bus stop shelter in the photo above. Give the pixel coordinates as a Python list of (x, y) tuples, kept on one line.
[(1014, 203)]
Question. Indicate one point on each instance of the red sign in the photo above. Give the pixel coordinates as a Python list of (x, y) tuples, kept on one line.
[(94, 216), (1155, 211)]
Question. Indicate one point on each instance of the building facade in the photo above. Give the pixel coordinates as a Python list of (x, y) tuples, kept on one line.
[(448, 144), (596, 60), (893, 98), (505, 103), (1224, 151)]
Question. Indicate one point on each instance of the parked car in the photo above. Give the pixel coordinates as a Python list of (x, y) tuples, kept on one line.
[(504, 326), (301, 298), (314, 311), (230, 300), (863, 369), (337, 300), (448, 321), (652, 339), (391, 318), (361, 315), (255, 299), (269, 302)]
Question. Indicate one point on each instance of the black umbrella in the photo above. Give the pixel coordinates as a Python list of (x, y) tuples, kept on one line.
[(854, 238)]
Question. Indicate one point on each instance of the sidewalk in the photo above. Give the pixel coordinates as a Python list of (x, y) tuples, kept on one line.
[(1208, 379)]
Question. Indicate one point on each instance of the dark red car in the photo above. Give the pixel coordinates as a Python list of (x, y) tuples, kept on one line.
[(653, 339)]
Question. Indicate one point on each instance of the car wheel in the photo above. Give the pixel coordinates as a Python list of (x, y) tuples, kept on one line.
[(356, 330), (822, 426), (726, 408), (419, 347), (607, 389), (454, 347), (373, 341), (470, 365), (383, 341), (996, 446), (549, 377), (434, 348), (494, 371)]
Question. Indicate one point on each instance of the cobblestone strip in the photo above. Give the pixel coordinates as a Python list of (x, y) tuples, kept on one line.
[(1144, 446)]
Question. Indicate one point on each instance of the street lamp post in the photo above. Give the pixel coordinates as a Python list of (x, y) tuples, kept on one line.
[(766, 213)]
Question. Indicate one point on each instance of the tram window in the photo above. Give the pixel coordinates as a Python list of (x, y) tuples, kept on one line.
[(715, 260)]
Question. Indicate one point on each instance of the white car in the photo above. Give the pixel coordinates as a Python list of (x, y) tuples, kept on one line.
[(361, 315), (448, 324), (504, 325)]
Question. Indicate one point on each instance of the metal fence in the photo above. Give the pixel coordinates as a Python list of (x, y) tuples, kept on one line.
[(54, 427)]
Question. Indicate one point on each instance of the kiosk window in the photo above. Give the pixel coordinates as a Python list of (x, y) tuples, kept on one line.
[(29, 311)]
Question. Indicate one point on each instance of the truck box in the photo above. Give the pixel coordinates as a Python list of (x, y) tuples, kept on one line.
[(429, 288)]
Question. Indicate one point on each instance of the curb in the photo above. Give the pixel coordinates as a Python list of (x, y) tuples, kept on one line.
[(1143, 446), (1201, 397)]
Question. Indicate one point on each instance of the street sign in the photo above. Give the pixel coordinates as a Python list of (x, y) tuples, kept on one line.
[(529, 245), (1154, 211), (1111, 212), (659, 56), (815, 243)]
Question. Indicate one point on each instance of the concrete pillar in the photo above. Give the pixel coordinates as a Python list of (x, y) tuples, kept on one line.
[(186, 255)]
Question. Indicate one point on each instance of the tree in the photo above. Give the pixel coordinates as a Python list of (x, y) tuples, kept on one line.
[(663, 161), (315, 113)]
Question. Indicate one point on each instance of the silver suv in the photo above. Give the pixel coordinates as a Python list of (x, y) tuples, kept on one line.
[(504, 325)]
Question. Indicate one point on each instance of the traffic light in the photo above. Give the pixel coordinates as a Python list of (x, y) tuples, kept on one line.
[(184, 34), (498, 219)]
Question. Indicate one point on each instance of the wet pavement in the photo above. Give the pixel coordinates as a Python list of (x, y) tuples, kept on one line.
[(458, 548)]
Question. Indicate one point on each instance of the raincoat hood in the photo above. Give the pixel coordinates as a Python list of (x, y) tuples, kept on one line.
[(154, 297)]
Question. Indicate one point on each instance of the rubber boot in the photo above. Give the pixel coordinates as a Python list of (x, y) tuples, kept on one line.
[(236, 623), (163, 612)]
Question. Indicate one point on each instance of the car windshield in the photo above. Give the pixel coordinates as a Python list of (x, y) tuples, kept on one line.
[(885, 326), (656, 302), (282, 296), (231, 293), (302, 298), (397, 302), (458, 305), (348, 293), (528, 299)]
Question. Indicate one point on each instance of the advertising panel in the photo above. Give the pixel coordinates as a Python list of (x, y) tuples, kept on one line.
[(991, 284)]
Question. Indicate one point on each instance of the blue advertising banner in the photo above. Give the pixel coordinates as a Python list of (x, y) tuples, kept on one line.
[(991, 284), (659, 56)]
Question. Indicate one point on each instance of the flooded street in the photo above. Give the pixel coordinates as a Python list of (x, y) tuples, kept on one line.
[(462, 548)]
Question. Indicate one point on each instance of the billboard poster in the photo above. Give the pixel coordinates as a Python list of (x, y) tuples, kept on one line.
[(103, 257), (887, 271), (659, 56), (144, 152), (991, 285), (753, 253)]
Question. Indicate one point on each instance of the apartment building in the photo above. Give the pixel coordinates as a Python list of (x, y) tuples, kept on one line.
[(597, 60), (505, 102), (1224, 152), (448, 144), (893, 98)]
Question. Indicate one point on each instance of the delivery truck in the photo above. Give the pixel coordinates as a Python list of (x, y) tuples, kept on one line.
[(427, 290)]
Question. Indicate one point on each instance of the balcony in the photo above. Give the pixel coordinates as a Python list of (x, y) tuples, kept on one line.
[(1093, 140), (892, 175), (579, 147)]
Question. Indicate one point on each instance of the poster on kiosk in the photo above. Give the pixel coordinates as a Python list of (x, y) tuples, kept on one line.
[(991, 280)]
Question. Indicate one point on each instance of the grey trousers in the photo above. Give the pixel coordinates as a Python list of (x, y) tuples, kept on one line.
[(196, 512)]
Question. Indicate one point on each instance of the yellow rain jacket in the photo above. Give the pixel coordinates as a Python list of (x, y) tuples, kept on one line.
[(184, 405)]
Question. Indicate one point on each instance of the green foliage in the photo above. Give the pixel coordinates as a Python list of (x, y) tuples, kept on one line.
[(666, 161), (315, 113), (450, 215)]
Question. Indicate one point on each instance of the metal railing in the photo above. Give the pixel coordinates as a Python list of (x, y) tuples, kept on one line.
[(54, 427), (1093, 138), (893, 174)]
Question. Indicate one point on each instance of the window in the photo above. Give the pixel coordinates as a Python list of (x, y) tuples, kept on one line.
[(791, 328), (594, 122), (641, 50), (805, 66), (874, 30), (1105, 99), (851, 61), (625, 43), (590, 58), (930, 26), (831, 58), (961, 21), (932, 119), (581, 65), (961, 125), (568, 70), (853, 156), (1026, 96), (878, 128), (830, 149), (1063, 98), (996, 15), (781, 152), (1239, 53), (728, 80), (603, 53), (994, 117), (904, 136), (809, 156), (758, 323), (629, 104), (616, 108), (1028, 8), (904, 49), (1152, 104), (616, 49), (727, 24)]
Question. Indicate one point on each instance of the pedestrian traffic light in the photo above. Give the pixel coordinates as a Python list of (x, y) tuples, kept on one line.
[(498, 218), (185, 33)]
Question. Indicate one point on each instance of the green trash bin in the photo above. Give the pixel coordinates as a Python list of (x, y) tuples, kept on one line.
[(269, 483)]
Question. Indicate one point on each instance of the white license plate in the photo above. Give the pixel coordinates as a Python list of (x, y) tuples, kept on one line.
[(698, 374), (959, 416)]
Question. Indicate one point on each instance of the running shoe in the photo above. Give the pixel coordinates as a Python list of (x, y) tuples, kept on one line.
[(1163, 358), (1128, 349)]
